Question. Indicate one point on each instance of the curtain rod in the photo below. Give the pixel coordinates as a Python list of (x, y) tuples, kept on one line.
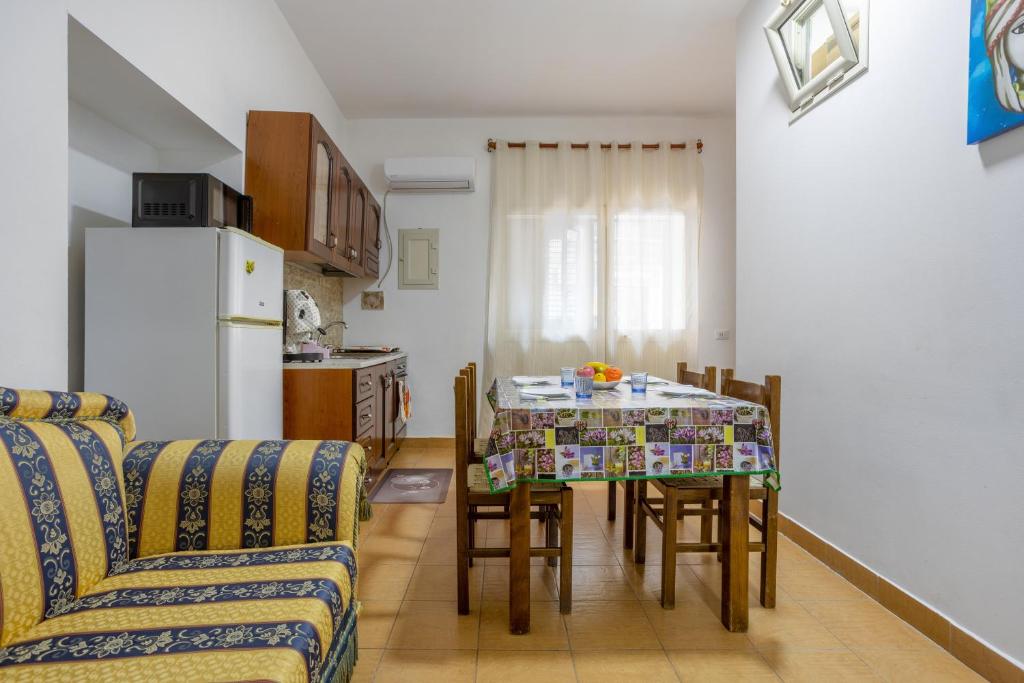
[(492, 145)]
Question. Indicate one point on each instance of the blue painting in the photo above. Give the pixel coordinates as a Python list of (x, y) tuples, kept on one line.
[(996, 89)]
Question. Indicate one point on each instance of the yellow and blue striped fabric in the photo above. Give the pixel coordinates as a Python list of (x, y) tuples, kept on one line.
[(217, 495), (30, 404), (62, 520), (78, 504), (280, 614)]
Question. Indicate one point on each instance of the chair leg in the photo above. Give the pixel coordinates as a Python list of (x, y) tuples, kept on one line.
[(462, 568), (565, 557), (640, 537), (721, 530), (471, 534), (706, 520), (770, 556), (611, 501), (668, 549), (629, 505), (551, 531)]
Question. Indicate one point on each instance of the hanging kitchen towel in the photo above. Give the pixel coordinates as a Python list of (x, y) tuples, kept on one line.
[(405, 401)]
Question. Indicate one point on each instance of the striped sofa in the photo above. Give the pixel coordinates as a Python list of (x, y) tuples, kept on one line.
[(171, 561)]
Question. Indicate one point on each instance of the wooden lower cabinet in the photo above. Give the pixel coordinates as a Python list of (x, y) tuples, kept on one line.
[(348, 405)]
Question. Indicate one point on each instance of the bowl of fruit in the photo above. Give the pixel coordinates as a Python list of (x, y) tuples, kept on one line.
[(606, 376)]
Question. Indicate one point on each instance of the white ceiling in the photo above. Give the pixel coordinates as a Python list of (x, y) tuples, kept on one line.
[(440, 58)]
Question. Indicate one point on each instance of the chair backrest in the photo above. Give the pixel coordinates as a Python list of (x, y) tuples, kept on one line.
[(463, 445), (473, 409), (768, 395), (62, 517), (705, 380)]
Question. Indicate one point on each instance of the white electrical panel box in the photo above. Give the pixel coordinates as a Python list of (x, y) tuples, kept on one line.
[(417, 258)]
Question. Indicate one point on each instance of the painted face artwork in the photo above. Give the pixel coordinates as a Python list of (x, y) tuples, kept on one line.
[(1015, 45), (1004, 40)]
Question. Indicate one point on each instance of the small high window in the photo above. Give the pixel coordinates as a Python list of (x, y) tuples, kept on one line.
[(819, 46)]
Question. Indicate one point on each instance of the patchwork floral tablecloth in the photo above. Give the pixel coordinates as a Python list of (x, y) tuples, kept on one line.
[(621, 435)]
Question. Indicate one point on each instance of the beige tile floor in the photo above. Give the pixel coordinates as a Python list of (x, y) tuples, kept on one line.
[(823, 628)]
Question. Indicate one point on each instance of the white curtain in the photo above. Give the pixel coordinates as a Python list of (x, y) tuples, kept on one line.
[(594, 256)]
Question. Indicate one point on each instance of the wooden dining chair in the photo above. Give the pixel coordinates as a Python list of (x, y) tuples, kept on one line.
[(704, 380), (474, 501), (478, 442), (676, 493)]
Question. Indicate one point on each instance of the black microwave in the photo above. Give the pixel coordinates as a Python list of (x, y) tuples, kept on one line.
[(187, 200)]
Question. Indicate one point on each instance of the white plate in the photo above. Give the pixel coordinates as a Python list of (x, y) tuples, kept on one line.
[(605, 386)]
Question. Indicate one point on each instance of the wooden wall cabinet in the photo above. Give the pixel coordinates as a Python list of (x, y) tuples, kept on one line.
[(371, 237), (307, 198), (356, 222), (349, 405)]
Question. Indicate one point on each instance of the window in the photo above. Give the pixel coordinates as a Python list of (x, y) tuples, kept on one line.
[(819, 46), (648, 272), (644, 290), (593, 257)]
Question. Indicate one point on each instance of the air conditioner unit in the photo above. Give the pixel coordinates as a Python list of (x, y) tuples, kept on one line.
[(431, 173)]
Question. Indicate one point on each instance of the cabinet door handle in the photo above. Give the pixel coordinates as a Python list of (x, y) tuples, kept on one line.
[(365, 417), (366, 384)]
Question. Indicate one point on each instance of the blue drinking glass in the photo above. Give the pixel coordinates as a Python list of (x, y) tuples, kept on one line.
[(584, 387)]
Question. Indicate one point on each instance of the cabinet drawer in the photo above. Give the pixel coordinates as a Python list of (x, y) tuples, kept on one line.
[(367, 443), (375, 466), (365, 386), (364, 418)]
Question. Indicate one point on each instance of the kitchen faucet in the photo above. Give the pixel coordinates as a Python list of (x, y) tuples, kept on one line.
[(322, 331)]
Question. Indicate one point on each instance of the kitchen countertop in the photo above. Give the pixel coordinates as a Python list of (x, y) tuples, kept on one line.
[(348, 362)]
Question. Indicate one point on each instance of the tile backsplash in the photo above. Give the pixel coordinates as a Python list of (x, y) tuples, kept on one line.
[(326, 291)]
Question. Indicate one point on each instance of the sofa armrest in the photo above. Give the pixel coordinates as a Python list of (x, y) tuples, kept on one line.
[(220, 495)]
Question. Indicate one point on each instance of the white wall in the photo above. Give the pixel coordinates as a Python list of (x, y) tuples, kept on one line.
[(879, 272), (101, 159), (33, 192), (442, 330), (219, 59)]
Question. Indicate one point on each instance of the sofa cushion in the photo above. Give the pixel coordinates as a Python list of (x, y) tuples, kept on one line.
[(218, 495), (216, 615), (62, 521), (32, 404)]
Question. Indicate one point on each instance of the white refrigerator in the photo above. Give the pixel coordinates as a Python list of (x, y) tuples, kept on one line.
[(184, 325)]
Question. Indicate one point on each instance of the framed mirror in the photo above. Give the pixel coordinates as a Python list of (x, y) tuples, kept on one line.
[(819, 46)]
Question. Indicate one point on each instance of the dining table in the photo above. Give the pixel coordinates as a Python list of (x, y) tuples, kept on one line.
[(542, 432)]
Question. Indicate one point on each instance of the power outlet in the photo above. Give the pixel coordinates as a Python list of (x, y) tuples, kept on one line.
[(722, 335)]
